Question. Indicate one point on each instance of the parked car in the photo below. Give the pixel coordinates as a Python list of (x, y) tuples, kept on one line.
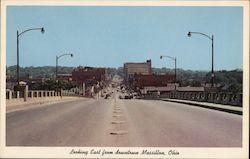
[(121, 97), (107, 96), (128, 96)]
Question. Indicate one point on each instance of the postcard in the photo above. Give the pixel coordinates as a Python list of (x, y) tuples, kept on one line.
[(124, 79)]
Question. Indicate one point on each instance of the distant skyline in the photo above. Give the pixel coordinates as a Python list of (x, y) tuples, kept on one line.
[(111, 36)]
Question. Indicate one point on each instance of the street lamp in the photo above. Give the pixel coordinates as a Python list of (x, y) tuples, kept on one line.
[(17, 37), (57, 57), (212, 39), (172, 58)]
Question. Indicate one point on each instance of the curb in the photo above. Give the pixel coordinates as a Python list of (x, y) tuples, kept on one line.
[(207, 106), (37, 103)]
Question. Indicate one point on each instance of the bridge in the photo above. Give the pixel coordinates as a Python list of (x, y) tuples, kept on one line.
[(171, 119)]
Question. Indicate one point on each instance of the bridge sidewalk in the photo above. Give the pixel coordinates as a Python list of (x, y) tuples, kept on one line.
[(220, 107), (19, 103)]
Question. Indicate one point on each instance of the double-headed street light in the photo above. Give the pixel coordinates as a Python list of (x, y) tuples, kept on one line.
[(172, 58), (212, 39), (17, 37), (57, 57)]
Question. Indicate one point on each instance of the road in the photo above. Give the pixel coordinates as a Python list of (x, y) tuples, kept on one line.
[(129, 123)]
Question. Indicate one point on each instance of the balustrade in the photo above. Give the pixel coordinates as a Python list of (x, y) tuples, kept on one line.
[(211, 97)]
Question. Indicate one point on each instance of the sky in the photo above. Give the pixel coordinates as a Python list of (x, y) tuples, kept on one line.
[(109, 36)]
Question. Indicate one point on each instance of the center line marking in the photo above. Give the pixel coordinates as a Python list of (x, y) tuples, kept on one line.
[(117, 115), (118, 122), (119, 132)]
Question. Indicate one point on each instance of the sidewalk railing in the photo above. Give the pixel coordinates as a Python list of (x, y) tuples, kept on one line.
[(211, 97), (10, 95)]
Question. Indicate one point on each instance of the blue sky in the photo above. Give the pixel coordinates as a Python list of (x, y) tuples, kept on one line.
[(110, 36)]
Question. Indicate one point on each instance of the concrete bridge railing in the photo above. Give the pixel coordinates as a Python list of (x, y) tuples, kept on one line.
[(29, 94), (68, 93), (211, 97)]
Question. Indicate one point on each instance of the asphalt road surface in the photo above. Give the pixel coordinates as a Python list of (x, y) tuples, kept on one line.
[(128, 123)]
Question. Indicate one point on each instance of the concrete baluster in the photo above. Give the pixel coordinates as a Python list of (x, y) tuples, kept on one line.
[(203, 96), (10, 94), (191, 96), (218, 97), (184, 95), (17, 94), (229, 98), (209, 97), (224, 98), (32, 94), (233, 99), (198, 96), (194, 96), (214, 97)]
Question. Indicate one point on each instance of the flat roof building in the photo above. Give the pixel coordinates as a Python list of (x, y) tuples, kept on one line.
[(132, 68), (141, 81), (82, 74)]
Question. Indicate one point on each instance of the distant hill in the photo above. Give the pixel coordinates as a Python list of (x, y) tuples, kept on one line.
[(45, 71)]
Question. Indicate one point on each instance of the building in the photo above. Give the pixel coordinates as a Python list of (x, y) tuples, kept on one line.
[(84, 74), (139, 75), (141, 81), (64, 77), (132, 68), (90, 80)]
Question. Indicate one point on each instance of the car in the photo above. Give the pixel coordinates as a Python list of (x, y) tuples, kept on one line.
[(128, 96), (121, 97), (107, 96)]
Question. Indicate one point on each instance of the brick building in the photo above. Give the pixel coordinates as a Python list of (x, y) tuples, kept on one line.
[(141, 81), (83, 74), (139, 75), (132, 68)]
